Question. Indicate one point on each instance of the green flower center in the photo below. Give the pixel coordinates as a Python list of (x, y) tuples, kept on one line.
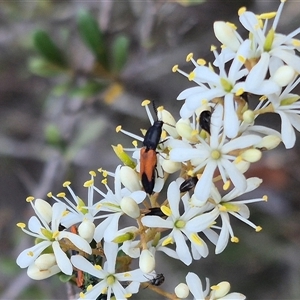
[(227, 86), (179, 224), (215, 154), (110, 280), (269, 40)]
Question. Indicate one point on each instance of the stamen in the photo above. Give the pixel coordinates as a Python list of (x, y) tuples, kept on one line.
[(146, 102), (234, 239), (175, 69), (50, 195), (29, 198), (66, 183), (242, 10), (189, 57), (62, 195), (258, 229), (201, 62), (92, 173)]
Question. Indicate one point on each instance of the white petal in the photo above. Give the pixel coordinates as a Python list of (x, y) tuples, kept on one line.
[(84, 265), (77, 240), (231, 122), (62, 259), (203, 221), (182, 248), (190, 91), (173, 194), (181, 155), (35, 273), (195, 286), (155, 221), (241, 142), (27, 256)]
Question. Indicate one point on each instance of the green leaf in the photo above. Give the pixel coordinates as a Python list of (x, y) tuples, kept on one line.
[(119, 53), (189, 2), (47, 48), (91, 88), (92, 36), (40, 66)]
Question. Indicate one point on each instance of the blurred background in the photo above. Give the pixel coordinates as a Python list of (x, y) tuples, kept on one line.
[(71, 71)]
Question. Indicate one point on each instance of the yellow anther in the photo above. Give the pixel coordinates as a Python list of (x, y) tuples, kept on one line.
[(242, 10), (97, 267), (190, 173), (201, 62), (127, 275), (50, 195), (93, 173), (104, 173), (214, 287), (135, 143), (29, 199), (226, 185), (175, 69), (269, 15), (265, 198), (146, 102), (65, 213), (194, 132), (296, 43), (82, 295), (213, 48), (238, 159), (119, 148), (118, 128), (166, 210), (195, 238), (189, 57), (233, 26), (104, 181), (66, 183), (21, 225), (160, 108), (234, 239), (61, 195), (167, 241), (88, 183), (258, 228), (128, 295), (263, 98), (100, 170), (192, 76), (30, 253)]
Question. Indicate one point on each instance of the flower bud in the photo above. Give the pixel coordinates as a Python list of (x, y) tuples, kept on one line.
[(35, 273), (147, 261), (221, 289), (130, 207), (130, 179), (268, 142), (251, 155), (86, 230), (283, 75), (44, 209), (242, 166), (170, 166), (45, 261), (123, 156), (248, 116), (182, 291), (185, 130), (169, 123), (225, 33)]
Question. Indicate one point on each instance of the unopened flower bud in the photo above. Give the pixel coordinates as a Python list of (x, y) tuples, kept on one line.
[(221, 289), (251, 155), (182, 291), (147, 261), (283, 75), (44, 209), (248, 116), (35, 273), (123, 156), (130, 207), (242, 166), (130, 179), (86, 230), (185, 130), (170, 166), (225, 33), (269, 142), (169, 123), (124, 237), (45, 261)]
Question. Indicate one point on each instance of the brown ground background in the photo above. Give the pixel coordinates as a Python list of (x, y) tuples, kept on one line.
[(262, 266)]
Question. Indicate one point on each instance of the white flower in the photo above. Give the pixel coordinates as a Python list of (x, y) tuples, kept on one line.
[(111, 202), (287, 106), (238, 208), (278, 47), (215, 154), (227, 85), (109, 280), (50, 236), (195, 286), (182, 226)]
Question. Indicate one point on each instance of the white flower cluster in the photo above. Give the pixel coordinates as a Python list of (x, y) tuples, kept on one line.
[(211, 147)]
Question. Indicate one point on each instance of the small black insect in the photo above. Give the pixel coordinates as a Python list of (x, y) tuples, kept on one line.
[(155, 211), (157, 280), (204, 120), (188, 184)]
